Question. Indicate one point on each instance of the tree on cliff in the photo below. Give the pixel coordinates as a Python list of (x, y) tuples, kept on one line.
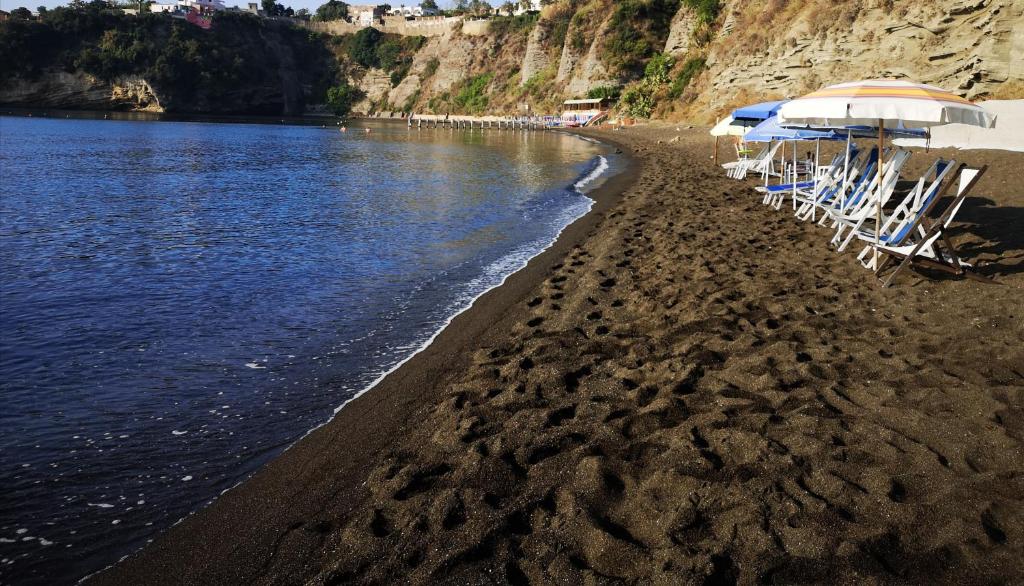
[(341, 98), (271, 8), (333, 10)]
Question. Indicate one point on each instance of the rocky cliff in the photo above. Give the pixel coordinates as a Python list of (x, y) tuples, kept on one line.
[(59, 89), (974, 47), (710, 54), (96, 58), (748, 50)]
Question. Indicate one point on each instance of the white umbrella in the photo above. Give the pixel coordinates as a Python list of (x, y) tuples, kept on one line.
[(881, 102), (725, 127)]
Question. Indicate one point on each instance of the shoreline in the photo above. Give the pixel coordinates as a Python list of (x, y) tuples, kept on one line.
[(350, 425), (688, 387)]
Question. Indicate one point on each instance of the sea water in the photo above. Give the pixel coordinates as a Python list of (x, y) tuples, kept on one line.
[(181, 301)]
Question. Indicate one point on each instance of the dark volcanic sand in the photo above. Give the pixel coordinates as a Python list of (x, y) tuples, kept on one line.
[(688, 387)]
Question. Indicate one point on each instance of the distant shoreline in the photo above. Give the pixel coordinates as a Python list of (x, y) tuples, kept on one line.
[(141, 116)]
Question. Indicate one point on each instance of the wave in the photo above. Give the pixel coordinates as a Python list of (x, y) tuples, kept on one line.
[(493, 275), (599, 169)]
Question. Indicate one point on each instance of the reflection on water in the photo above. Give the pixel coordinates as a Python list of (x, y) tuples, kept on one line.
[(180, 301)]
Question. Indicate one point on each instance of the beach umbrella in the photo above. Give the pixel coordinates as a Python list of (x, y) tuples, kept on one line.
[(881, 103), (726, 127), (755, 113), (770, 129)]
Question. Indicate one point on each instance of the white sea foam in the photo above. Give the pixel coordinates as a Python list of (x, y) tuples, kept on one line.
[(495, 274), (599, 170)]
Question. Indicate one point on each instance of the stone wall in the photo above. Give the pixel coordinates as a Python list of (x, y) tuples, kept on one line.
[(425, 27)]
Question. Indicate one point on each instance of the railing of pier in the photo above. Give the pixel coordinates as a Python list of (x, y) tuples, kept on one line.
[(481, 122)]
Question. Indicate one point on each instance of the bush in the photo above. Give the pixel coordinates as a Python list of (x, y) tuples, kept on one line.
[(690, 69), (635, 28), (471, 98), (501, 26), (341, 98), (638, 101), (603, 92), (707, 10), (658, 67), (392, 53), (431, 67)]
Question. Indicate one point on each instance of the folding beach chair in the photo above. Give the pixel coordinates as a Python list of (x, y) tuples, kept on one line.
[(927, 251), (810, 193), (897, 226), (865, 204), (743, 159)]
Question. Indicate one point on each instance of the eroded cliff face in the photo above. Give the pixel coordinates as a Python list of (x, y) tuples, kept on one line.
[(754, 49), (974, 47), (59, 89)]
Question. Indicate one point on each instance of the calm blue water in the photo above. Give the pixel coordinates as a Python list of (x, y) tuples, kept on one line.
[(181, 301)]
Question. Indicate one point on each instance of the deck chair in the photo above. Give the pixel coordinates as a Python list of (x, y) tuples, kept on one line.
[(896, 226), (826, 187), (851, 191), (865, 204), (743, 159), (927, 251)]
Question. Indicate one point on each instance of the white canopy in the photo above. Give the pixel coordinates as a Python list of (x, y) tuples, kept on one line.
[(866, 102), (1006, 136)]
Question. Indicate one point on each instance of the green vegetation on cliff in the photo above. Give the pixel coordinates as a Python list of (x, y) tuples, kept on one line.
[(244, 64), (637, 29), (371, 48)]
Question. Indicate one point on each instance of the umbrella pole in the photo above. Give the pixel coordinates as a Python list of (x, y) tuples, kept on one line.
[(817, 161), (878, 201), (794, 178), (846, 171)]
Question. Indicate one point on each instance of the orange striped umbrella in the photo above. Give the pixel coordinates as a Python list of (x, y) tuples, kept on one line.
[(892, 101)]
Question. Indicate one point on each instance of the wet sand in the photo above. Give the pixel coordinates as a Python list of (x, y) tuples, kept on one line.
[(688, 387)]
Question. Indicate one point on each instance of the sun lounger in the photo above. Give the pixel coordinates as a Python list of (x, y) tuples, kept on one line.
[(897, 225), (866, 202), (926, 250), (761, 163), (826, 187)]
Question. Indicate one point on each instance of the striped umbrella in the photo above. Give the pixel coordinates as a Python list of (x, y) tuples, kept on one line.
[(879, 103)]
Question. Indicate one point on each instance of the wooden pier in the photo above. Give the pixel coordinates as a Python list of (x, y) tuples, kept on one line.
[(481, 122)]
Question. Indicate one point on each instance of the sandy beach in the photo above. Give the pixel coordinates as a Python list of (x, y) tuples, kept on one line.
[(688, 387)]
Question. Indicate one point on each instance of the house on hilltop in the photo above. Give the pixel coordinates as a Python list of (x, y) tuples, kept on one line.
[(416, 11), (172, 7), (365, 15)]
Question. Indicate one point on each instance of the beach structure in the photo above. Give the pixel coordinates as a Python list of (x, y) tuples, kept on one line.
[(881, 103), (585, 111)]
